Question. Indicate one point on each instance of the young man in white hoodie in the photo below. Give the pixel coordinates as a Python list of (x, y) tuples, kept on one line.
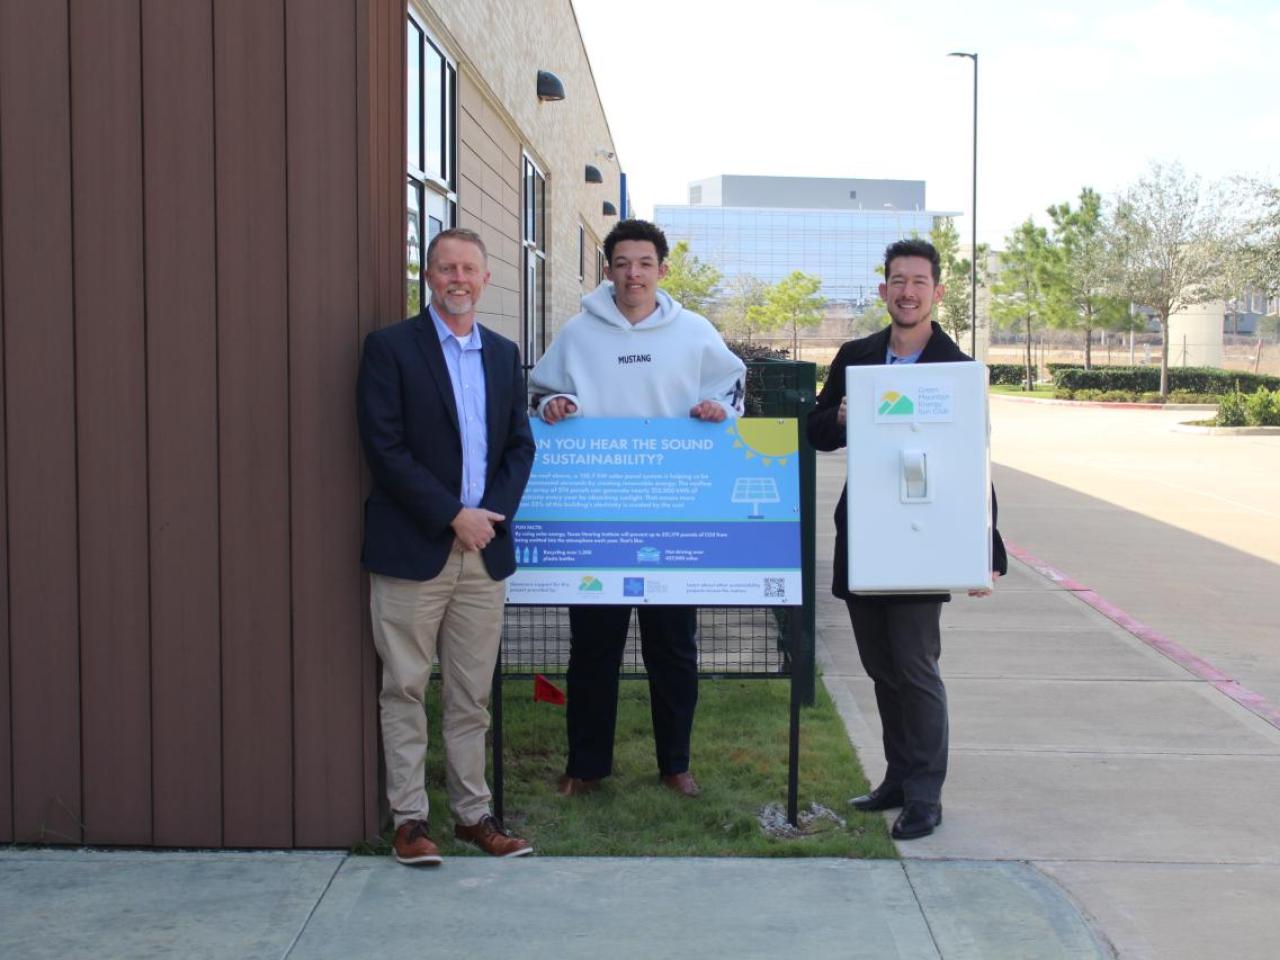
[(634, 352)]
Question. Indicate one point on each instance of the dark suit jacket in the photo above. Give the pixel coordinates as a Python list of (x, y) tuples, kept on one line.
[(825, 433), (409, 428)]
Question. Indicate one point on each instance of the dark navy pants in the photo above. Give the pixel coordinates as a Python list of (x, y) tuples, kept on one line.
[(899, 643), (669, 645)]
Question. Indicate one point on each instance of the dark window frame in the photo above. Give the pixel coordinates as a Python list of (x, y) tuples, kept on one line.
[(533, 255), (431, 182)]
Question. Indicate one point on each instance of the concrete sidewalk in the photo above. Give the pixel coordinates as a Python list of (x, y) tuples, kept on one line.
[(1101, 800), (1079, 750), (60, 905)]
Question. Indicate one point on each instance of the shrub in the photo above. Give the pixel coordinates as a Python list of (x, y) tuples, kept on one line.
[(1116, 396), (1189, 396), (1231, 412), (1262, 409), (762, 384), (1060, 393), (746, 351), (1204, 380), (1086, 394), (1152, 396), (1007, 374)]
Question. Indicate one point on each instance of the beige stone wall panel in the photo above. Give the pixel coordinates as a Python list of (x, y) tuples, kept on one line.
[(499, 46)]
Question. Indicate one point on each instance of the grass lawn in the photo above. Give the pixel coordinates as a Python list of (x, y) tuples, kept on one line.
[(739, 758), (1041, 390)]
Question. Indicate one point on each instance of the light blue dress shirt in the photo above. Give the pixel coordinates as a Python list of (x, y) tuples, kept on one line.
[(466, 374)]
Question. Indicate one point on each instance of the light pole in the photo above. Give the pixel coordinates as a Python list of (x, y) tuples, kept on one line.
[(973, 219)]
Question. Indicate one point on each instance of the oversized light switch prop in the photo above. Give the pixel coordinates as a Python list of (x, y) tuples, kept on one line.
[(919, 478)]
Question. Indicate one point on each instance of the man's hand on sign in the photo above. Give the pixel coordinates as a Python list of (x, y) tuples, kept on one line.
[(708, 410), (557, 408)]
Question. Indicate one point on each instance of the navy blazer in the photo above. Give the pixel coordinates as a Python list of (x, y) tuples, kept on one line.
[(409, 429), (825, 433)]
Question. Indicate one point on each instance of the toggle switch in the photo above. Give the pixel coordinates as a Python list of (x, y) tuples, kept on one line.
[(915, 477)]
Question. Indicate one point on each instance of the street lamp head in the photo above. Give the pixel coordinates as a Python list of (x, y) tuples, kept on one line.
[(971, 56)]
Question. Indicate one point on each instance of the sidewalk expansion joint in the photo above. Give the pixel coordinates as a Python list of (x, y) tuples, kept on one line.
[(302, 927), (924, 914)]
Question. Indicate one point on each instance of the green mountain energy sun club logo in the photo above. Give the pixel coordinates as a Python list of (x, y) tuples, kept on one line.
[(894, 404)]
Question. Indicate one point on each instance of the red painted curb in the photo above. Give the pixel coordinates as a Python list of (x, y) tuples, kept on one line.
[(1198, 667)]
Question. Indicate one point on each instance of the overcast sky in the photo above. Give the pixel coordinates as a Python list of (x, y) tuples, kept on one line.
[(1070, 95)]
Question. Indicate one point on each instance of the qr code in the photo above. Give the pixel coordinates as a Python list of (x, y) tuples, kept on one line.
[(773, 587)]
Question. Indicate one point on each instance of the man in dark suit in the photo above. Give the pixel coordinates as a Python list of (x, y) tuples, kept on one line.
[(441, 407), (899, 638)]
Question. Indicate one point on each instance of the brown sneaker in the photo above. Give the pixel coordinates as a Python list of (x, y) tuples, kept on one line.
[(412, 845), (492, 837), (681, 783), (568, 786)]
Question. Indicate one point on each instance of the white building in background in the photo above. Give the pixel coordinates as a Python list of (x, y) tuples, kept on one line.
[(1195, 335), (767, 227)]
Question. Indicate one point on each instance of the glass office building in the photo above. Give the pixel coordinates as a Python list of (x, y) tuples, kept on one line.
[(766, 227)]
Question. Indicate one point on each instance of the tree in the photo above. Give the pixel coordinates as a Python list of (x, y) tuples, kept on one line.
[(741, 309), (1028, 291), (1089, 270), (956, 303), (691, 283), (1167, 234), (794, 301), (1253, 261)]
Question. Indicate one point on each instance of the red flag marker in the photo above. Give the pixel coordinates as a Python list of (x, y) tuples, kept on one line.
[(546, 691)]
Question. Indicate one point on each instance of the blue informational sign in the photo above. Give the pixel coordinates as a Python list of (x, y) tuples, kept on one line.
[(637, 511)]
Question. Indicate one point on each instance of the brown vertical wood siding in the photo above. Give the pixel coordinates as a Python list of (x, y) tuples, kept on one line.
[(40, 435), (330, 694), (201, 213), (182, 408), (6, 714), (111, 419), (253, 421)]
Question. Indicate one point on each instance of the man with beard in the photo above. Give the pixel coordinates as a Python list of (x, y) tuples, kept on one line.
[(899, 637)]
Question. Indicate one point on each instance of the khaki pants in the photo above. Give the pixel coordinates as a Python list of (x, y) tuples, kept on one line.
[(458, 617)]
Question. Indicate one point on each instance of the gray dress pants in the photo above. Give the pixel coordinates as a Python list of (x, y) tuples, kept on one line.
[(899, 643)]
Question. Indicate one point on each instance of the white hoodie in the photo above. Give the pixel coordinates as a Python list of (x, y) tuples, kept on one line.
[(660, 367)]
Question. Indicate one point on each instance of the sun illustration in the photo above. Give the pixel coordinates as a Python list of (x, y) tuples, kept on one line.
[(773, 440)]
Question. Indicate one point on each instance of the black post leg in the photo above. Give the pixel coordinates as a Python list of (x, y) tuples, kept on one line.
[(795, 622), (496, 701)]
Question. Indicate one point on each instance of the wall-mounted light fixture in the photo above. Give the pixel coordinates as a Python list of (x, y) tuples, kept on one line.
[(550, 86), (594, 175), (608, 209)]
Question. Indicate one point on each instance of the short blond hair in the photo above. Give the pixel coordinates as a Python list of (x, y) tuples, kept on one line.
[(458, 233)]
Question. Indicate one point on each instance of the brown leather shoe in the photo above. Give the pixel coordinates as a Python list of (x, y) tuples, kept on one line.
[(413, 846), (568, 786), (492, 837), (681, 783)]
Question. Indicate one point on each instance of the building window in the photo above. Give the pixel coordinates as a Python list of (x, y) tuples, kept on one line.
[(599, 265), (534, 244), (582, 253), (431, 147), (695, 194)]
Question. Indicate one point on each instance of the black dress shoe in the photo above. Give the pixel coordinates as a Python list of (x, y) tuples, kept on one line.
[(917, 819), (883, 797)]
